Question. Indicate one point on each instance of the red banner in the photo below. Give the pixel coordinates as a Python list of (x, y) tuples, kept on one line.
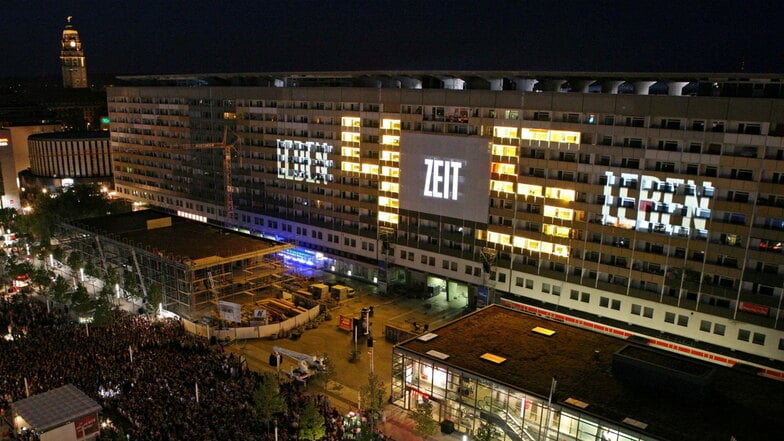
[(86, 425), (754, 308), (346, 323)]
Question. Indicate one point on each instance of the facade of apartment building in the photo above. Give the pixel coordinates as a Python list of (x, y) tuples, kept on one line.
[(652, 202)]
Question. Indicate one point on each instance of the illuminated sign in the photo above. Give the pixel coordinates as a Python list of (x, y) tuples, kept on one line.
[(671, 206), (442, 178), (305, 161), (3, 142), (435, 171)]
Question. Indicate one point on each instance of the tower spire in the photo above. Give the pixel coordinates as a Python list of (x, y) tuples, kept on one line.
[(72, 59)]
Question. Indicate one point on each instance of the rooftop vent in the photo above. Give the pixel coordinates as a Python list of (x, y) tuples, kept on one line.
[(493, 358), (635, 423), (436, 354), (543, 331), (427, 337), (577, 403)]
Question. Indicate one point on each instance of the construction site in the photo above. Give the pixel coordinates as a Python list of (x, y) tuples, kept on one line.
[(191, 264)]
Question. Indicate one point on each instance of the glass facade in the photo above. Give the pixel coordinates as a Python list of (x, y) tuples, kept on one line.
[(467, 400)]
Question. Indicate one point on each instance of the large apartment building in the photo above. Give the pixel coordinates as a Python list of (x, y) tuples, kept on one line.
[(647, 203)]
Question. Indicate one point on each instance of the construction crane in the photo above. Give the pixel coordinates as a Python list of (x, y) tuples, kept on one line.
[(307, 365), (228, 148)]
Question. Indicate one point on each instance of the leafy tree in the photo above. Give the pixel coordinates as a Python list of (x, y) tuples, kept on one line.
[(323, 376), (154, 297), (423, 418), (41, 278), (75, 260), (59, 254), (486, 432), (60, 289), (372, 395), (80, 299), (7, 216), (103, 315), (90, 268), (77, 202), (267, 400), (311, 422)]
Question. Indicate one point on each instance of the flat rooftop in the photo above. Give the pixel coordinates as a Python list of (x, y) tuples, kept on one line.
[(735, 403), (183, 238)]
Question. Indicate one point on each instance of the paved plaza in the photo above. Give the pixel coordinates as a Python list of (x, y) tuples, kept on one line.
[(401, 312)]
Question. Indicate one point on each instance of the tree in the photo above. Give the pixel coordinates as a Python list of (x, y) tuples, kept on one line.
[(7, 216), (372, 395), (80, 299), (103, 316), (59, 290), (311, 422), (77, 202), (75, 261), (267, 400), (154, 297), (423, 418), (486, 432), (42, 279), (327, 373)]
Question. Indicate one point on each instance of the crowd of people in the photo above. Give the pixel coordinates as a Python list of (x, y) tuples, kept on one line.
[(160, 381)]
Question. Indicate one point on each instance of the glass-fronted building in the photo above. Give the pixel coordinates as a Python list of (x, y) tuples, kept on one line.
[(536, 379)]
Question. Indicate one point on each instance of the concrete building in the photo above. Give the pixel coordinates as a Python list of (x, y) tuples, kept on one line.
[(644, 203), (72, 60), (14, 158), (62, 159), (537, 379)]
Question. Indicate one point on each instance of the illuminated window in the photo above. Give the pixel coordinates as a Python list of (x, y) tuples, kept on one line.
[(348, 121), (370, 169), (390, 186), (505, 132), (550, 135), (560, 193), (502, 186), (349, 152), (387, 155), (387, 217), (494, 237), (349, 166), (504, 150), (558, 212), (504, 169), (384, 201), (529, 190), (390, 140), (229, 115), (555, 230), (390, 171), (535, 134), (349, 136), (390, 124)]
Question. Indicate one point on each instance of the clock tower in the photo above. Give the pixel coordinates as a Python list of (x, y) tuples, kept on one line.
[(72, 58)]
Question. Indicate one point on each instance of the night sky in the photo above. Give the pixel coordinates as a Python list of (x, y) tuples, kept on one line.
[(193, 36)]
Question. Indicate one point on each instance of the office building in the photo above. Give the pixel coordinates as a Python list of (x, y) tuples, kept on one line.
[(650, 204), (72, 60)]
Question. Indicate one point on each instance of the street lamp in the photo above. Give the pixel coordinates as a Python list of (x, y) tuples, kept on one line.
[(81, 274)]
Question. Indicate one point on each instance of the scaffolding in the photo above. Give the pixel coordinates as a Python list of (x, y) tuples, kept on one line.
[(187, 283)]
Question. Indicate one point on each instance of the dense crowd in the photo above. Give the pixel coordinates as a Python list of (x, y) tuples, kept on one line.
[(145, 370)]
